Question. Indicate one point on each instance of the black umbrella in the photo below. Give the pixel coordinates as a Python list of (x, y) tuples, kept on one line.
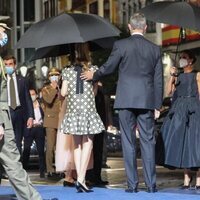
[(64, 49), (65, 29), (181, 14), (175, 13)]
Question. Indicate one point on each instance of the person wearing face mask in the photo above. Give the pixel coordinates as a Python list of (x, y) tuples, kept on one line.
[(3, 35), (9, 154), (180, 130), (37, 134), (52, 104), (19, 100)]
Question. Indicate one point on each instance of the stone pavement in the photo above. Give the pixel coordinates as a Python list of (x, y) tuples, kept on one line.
[(116, 176)]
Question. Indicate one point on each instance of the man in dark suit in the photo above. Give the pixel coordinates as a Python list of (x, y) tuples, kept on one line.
[(37, 134), (19, 100), (138, 97)]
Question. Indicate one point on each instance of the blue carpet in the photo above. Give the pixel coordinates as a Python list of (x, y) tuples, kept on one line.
[(61, 193)]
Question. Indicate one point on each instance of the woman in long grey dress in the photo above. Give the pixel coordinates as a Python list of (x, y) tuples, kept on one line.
[(81, 119)]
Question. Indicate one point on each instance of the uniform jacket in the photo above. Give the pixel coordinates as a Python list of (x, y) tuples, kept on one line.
[(52, 106), (140, 72), (4, 109)]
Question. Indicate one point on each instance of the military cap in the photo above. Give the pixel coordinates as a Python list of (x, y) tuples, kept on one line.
[(4, 26), (54, 71)]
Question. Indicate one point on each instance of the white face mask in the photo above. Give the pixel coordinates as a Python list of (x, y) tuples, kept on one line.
[(33, 97), (54, 78), (183, 63)]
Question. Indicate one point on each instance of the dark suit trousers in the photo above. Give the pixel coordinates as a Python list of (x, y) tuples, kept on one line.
[(36, 134), (97, 153), (144, 120), (19, 124)]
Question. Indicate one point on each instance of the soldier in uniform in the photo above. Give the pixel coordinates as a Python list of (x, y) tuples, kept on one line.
[(9, 154), (52, 105)]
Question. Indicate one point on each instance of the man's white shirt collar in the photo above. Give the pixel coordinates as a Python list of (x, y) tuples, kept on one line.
[(137, 33), (13, 75)]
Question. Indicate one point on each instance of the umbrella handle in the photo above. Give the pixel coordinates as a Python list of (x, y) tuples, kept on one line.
[(179, 40)]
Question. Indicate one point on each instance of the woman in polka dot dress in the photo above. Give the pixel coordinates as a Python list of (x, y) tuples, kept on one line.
[(81, 118)]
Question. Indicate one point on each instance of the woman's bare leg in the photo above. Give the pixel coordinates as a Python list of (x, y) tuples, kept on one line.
[(198, 178), (187, 177), (87, 145), (77, 152)]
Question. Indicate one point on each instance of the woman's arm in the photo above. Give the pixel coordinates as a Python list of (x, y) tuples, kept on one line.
[(64, 88), (198, 83), (172, 81)]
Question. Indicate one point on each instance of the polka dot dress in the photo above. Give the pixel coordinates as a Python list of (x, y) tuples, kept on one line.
[(81, 117)]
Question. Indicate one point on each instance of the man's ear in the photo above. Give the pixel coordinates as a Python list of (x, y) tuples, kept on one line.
[(145, 29), (129, 27)]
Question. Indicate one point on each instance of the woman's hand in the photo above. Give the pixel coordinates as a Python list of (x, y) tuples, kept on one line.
[(156, 114), (173, 71)]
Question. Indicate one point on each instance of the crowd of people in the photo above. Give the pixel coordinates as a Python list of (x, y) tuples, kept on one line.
[(68, 122)]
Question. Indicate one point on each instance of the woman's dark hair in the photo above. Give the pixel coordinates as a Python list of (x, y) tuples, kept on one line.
[(82, 54), (191, 55)]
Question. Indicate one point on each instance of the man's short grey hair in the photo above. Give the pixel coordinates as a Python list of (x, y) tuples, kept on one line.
[(138, 21)]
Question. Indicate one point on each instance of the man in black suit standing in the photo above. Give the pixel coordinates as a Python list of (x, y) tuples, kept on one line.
[(19, 100), (138, 97)]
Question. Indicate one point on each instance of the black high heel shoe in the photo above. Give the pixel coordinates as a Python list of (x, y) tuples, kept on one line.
[(68, 184), (186, 187), (197, 187), (78, 187), (81, 188)]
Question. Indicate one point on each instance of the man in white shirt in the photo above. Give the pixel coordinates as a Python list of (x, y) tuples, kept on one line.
[(19, 100)]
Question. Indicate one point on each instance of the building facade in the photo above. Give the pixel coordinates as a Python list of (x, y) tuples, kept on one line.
[(21, 14)]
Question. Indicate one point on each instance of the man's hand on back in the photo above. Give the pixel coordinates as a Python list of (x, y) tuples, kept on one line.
[(87, 75)]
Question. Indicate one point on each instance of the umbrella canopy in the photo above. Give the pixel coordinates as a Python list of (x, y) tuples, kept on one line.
[(175, 13), (65, 29), (64, 49)]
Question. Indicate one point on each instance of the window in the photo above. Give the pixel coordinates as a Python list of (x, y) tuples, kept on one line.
[(46, 9), (107, 9), (50, 8), (53, 7), (29, 10), (93, 8), (4, 7)]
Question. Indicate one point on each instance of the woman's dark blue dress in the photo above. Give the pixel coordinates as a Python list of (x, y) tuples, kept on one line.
[(181, 128)]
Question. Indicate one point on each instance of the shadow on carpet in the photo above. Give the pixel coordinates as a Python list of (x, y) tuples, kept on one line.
[(64, 193)]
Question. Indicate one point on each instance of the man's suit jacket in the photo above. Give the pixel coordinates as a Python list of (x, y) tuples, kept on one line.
[(140, 82), (24, 97)]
